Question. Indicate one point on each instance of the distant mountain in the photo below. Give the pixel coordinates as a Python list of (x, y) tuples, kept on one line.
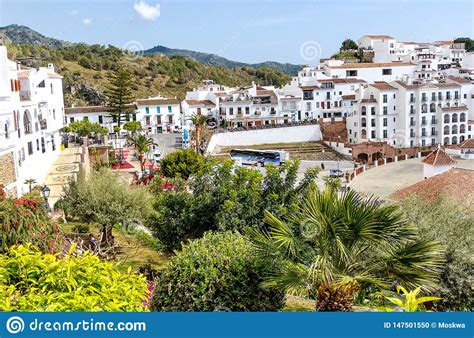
[(22, 35), (216, 60)]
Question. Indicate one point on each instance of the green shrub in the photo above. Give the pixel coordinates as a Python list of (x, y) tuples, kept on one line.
[(451, 225), (25, 220), (181, 163), (81, 228), (32, 281), (218, 272)]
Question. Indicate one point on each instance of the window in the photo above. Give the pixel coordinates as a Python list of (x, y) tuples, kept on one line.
[(170, 118), (231, 111), (101, 120), (147, 110), (385, 122), (308, 106), (385, 98), (351, 72), (30, 148), (387, 71), (7, 131), (43, 145), (158, 119), (372, 110), (54, 114), (158, 110), (37, 144), (86, 118), (247, 110), (385, 110), (53, 145), (134, 117), (71, 119), (169, 109), (51, 87), (239, 110), (385, 134)]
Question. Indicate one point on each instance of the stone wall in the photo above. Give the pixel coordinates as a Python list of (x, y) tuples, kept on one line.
[(7, 169)]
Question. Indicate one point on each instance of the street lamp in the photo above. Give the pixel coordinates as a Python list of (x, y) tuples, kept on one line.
[(46, 191)]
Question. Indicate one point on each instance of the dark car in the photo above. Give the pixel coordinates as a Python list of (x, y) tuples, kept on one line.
[(336, 173)]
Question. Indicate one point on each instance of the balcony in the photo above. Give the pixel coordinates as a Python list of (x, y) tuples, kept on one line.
[(273, 111), (434, 133), (434, 121), (433, 98), (412, 111), (424, 122), (412, 99), (440, 97), (412, 134), (258, 113), (412, 123), (424, 99)]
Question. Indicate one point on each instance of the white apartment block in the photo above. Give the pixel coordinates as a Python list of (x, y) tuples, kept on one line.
[(31, 115), (411, 114), (159, 114)]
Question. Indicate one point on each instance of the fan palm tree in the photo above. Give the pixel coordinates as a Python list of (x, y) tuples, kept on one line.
[(30, 182), (142, 144), (200, 122), (334, 245)]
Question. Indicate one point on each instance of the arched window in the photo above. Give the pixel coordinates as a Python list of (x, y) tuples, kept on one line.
[(454, 129), (462, 117), (462, 138), (446, 130), (462, 128), (424, 108), (454, 140), (363, 132), (454, 118), (446, 141), (363, 122), (363, 110), (27, 122), (432, 108), (446, 118)]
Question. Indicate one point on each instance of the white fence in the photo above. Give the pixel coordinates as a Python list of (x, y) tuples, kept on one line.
[(263, 136)]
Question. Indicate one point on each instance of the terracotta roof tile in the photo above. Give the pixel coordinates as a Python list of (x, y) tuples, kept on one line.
[(372, 65), (348, 97), (455, 184), (200, 103), (438, 157), (455, 108), (458, 79), (156, 102), (381, 85)]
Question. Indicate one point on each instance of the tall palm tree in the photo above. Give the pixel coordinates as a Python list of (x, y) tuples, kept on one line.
[(30, 182), (142, 144), (200, 122), (334, 245)]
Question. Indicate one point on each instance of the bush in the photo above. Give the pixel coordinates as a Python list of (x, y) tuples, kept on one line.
[(31, 281), (181, 163), (25, 220), (217, 272), (451, 225), (81, 228)]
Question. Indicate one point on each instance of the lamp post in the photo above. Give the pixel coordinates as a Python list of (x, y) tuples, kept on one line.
[(46, 191)]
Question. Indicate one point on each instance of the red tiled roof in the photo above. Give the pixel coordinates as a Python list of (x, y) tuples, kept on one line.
[(348, 97), (455, 184), (372, 65), (309, 87), (368, 100), (444, 42), (200, 103), (379, 36), (468, 144), (381, 85), (156, 102), (458, 79), (438, 157), (23, 74)]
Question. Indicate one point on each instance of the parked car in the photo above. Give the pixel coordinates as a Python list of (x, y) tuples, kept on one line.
[(336, 173)]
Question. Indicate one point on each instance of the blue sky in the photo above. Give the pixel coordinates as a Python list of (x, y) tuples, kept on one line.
[(248, 31)]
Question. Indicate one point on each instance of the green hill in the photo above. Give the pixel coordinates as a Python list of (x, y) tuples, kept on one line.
[(85, 69)]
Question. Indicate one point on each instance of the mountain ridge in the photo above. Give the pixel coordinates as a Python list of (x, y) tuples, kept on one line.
[(20, 34)]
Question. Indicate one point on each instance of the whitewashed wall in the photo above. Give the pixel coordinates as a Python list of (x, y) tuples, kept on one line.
[(264, 136)]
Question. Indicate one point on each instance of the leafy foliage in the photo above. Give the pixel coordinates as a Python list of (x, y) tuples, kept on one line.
[(106, 199), (223, 198), (450, 224), (85, 128), (32, 281), (25, 220), (344, 239), (468, 41), (132, 126), (141, 144), (410, 302), (181, 163), (348, 44), (219, 272), (120, 94)]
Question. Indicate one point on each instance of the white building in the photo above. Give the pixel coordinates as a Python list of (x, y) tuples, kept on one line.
[(31, 115), (159, 114), (94, 114), (437, 162)]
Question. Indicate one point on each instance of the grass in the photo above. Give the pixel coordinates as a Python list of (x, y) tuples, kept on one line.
[(297, 304), (138, 248)]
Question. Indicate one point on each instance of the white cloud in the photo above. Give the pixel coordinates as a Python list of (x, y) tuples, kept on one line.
[(86, 21), (146, 11)]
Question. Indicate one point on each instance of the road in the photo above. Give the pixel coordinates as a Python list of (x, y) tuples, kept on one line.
[(168, 142)]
